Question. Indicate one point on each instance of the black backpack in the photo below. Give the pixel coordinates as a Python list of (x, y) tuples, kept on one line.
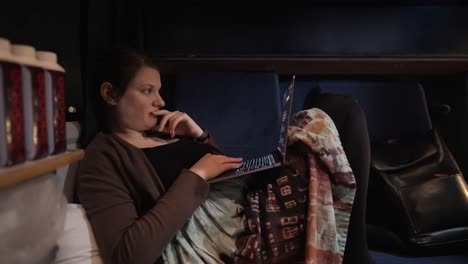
[(418, 192)]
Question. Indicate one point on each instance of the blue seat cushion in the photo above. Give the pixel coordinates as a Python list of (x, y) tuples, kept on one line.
[(241, 109)]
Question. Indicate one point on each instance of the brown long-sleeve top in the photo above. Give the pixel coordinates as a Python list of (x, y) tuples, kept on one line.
[(132, 216)]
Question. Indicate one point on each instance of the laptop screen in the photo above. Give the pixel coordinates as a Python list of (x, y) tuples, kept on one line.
[(287, 102)]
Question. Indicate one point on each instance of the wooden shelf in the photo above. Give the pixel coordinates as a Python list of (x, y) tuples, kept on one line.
[(13, 175), (322, 65)]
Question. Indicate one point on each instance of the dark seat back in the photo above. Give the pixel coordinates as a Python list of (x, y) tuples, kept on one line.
[(392, 108)]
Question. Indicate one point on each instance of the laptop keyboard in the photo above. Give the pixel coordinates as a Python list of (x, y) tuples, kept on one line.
[(255, 163)]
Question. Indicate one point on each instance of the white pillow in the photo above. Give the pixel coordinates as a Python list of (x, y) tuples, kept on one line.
[(77, 244)]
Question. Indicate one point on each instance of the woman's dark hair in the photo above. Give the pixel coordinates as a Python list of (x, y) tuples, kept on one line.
[(118, 67), (121, 67)]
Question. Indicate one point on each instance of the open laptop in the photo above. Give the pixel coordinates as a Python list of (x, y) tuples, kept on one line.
[(273, 159)]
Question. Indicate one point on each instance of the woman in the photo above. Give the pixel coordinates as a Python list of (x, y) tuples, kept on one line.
[(139, 189), (135, 211)]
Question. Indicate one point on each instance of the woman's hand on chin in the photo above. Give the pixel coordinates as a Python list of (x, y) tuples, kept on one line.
[(177, 123)]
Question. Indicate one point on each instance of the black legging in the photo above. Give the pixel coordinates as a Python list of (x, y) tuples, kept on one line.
[(351, 123)]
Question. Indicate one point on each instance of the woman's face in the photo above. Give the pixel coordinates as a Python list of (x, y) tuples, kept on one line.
[(135, 108)]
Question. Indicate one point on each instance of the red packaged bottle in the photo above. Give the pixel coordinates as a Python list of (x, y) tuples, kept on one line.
[(54, 76), (12, 148), (34, 110)]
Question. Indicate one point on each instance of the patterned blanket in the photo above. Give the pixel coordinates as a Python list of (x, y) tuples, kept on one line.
[(298, 212), (301, 212)]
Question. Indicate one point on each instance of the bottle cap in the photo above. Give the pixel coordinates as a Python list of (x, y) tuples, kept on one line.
[(25, 54), (46, 56), (49, 60), (5, 49)]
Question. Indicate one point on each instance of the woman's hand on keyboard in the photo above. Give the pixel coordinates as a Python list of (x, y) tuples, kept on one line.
[(211, 165)]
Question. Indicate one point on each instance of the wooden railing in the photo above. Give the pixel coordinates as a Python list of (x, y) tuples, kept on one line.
[(16, 174)]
